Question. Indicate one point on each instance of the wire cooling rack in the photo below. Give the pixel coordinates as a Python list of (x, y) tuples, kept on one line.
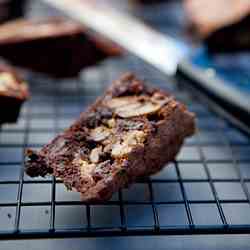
[(205, 191)]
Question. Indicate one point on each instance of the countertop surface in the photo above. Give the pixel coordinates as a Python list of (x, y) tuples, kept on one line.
[(229, 242)]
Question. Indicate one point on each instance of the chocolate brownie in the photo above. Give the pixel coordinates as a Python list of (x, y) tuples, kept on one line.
[(131, 131), (13, 92), (55, 46), (223, 25)]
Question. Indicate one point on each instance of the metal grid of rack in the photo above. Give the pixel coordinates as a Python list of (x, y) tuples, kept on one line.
[(206, 190)]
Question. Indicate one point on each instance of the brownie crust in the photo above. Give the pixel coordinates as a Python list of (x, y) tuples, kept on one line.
[(130, 132)]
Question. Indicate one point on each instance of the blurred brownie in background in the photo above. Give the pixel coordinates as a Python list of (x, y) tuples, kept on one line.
[(11, 9), (13, 92), (223, 24), (149, 1), (54, 46)]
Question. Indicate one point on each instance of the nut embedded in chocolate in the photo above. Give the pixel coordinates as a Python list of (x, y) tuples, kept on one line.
[(99, 134), (127, 107)]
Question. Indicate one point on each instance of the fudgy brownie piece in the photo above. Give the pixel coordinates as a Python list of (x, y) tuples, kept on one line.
[(132, 131), (55, 46), (13, 92), (223, 25)]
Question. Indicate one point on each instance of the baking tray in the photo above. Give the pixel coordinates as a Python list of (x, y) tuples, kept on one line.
[(205, 191)]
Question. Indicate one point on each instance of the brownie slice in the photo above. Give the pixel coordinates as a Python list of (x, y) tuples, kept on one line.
[(54, 46), (223, 25), (13, 92), (131, 131)]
